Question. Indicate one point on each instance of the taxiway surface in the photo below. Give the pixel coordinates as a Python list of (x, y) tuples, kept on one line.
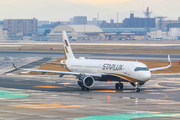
[(120, 56), (51, 97)]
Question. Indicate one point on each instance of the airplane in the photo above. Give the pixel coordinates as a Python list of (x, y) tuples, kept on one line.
[(87, 71)]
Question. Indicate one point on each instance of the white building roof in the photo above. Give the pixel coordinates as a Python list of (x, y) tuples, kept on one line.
[(76, 29), (85, 28)]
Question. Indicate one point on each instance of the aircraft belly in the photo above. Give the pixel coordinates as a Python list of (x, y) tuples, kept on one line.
[(110, 78)]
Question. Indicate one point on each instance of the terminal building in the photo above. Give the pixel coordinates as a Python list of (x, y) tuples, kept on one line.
[(132, 22), (165, 25), (135, 22)]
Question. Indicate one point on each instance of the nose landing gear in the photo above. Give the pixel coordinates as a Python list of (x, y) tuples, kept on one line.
[(137, 89)]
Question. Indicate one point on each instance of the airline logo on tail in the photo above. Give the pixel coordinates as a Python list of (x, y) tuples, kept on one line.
[(67, 48)]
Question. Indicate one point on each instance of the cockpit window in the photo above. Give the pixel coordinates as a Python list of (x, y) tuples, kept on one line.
[(141, 69)]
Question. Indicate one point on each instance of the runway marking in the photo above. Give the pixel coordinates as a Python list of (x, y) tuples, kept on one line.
[(170, 88), (130, 116), (110, 91), (164, 97), (157, 84), (10, 94), (50, 86), (65, 84), (45, 106), (20, 66)]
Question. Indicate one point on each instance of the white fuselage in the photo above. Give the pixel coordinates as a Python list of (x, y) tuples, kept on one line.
[(121, 69)]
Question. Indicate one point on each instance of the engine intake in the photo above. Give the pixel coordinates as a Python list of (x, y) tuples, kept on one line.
[(86, 81)]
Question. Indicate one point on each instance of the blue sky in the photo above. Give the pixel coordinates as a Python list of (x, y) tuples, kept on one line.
[(61, 10)]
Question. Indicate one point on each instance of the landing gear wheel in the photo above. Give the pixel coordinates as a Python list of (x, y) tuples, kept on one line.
[(87, 88), (117, 85), (121, 86), (137, 90), (84, 88)]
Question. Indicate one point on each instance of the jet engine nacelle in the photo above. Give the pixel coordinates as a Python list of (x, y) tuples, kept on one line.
[(139, 84), (86, 81)]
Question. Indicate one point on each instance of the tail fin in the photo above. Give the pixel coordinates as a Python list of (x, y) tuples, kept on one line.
[(67, 48)]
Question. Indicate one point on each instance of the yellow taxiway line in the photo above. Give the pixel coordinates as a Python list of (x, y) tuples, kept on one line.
[(50, 86), (45, 106)]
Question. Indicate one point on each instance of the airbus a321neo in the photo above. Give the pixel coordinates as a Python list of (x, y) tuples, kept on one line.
[(88, 71)]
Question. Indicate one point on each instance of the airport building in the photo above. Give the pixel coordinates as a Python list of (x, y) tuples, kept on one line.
[(1, 23), (130, 28), (173, 25), (135, 22), (93, 22), (132, 22), (50, 26), (159, 34), (174, 33), (167, 24), (40, 23), (17, 28), (80, 20), (104, 24), (74, 31), (3, 33)]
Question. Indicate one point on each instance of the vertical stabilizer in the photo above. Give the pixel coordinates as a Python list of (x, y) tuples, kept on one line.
[(67, 48)]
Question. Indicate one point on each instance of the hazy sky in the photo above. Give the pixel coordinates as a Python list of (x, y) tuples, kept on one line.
[(61, 10)]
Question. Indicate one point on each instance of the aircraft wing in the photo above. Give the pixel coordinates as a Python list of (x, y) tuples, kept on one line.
[(160, 68), (55, 63), (60, 72)]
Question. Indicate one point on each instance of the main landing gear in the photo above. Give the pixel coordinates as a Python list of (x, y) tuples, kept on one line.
[(84, 88), (119, 86)]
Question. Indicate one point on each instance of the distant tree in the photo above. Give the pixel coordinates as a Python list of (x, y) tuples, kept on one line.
[(70, 37), (47, 31)]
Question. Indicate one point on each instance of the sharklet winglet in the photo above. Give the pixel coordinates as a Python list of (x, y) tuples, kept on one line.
[(13, 64)]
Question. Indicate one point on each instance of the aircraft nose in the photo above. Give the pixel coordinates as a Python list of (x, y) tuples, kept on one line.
[(147, 75)]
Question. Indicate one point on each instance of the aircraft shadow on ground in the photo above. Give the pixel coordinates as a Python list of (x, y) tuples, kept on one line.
[(57, 87)]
